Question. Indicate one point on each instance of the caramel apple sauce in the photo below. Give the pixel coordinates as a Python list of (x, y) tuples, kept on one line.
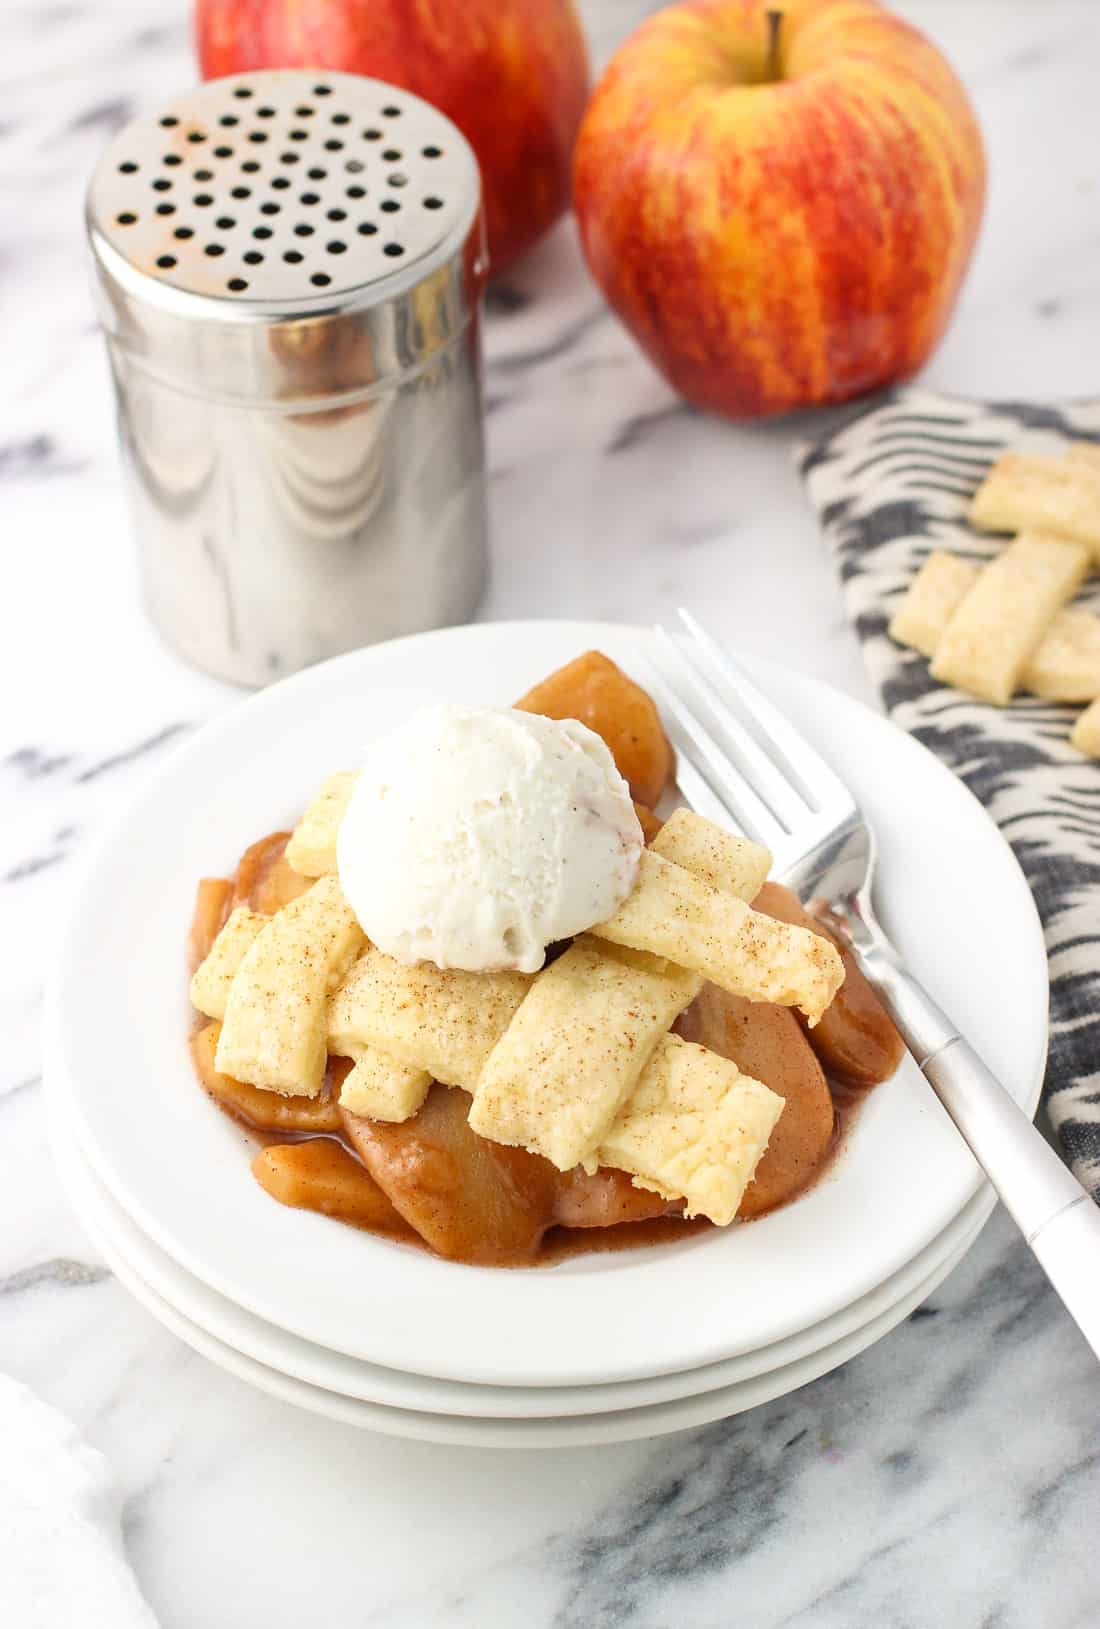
[(433, 1182)]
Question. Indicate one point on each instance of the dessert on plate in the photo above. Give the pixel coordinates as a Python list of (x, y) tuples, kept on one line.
[(482, 998)]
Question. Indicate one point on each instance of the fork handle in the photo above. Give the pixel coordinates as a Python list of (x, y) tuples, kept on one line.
[(1055, 1214)]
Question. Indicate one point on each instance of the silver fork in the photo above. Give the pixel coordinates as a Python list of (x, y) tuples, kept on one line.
[(756, 771)]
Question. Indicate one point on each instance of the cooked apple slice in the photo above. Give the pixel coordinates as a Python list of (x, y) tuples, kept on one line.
[(264, 1111), (321, 1175), (273, 1033), (592, 689), (469, 1199), (606, 1198), (265, 882), (855, 1040), (766, 1043), (211, 908)]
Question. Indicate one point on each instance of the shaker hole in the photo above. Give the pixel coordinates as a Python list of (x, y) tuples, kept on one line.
[(225, 222), (265, 113), (290, 158), (250, 166), (337, 215), (257, 135), (237, 284), (305, 111), (196, 135), (261, 232), (311, 197), (253, 258), (166, 262), (390, 205), (371, 134), (127, 218), (204, 175), (169, 120), (184, 232), (432, 152), (366, 229), (355, 166), (161, 184), (322, 90), (321, 279), (294, 257), (391, 112), (269, 209), (397, 179), (299, 135), (241, 192), (391, 154), (280, 182), (128, 167), (336, 247), (302, 230), (223, 152), (357, 192), (172, 159), (242, 92), (228, 120), (214, 250), (166, 209), (333, 146), (202, 199), (433, 203), (393, 249), (341, 118)]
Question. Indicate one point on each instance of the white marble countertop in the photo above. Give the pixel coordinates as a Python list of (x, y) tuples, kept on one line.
[(950, 1475)]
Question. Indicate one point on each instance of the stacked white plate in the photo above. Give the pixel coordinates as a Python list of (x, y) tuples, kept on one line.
[(598, 1348)]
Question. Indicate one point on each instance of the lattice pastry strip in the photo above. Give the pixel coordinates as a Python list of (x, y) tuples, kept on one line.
[(213, 978), (274, 1029), (378, 1086), (1064, 666), (575, 1049), (694, 1128)]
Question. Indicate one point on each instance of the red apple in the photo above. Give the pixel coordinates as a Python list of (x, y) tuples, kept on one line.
[(781, 213), (512, 74)]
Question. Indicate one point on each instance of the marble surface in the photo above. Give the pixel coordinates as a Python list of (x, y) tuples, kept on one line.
[(950, 1475)]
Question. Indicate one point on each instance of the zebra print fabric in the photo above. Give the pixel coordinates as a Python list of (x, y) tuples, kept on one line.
[(889, 487)]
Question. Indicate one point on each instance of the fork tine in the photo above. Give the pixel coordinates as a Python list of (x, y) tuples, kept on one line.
[(802, 764), (786, 804), (697, 747)]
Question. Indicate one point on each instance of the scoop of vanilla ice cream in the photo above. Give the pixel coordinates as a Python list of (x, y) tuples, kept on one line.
[(477, 836)]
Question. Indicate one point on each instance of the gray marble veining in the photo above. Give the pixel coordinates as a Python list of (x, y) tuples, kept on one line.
[(949, 1475)]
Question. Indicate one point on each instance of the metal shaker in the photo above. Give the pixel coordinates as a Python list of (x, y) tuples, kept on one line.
[(289, 269)]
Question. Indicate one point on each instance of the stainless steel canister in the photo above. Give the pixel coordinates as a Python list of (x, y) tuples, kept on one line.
[(289, 271)]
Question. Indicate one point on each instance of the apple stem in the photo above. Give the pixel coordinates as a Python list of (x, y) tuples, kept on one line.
[(775, 24)]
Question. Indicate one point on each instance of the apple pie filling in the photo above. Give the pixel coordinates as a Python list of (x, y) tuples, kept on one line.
[(689, 1058)]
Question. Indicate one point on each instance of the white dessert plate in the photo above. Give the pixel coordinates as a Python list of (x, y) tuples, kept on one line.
[(951, 897), (563, 1431), (352, 1377)]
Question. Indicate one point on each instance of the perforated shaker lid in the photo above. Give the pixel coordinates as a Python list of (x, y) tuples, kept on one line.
[(291, 200)]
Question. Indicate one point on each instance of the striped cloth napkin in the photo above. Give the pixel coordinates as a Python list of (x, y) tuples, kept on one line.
[(888, 488)]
